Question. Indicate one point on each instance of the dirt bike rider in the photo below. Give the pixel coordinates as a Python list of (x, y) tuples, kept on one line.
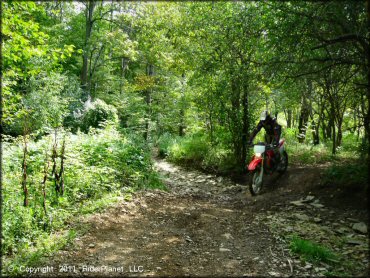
[(272, 135)]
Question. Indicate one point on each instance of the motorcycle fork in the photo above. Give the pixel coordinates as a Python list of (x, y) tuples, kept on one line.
[(262, 166)]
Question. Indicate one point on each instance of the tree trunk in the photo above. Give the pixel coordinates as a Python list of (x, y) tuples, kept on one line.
[(339, 132), (323, 129), (329, 127), (333, 132), (148, 100), (182, 110), (211, 128), (315, 132), (245, 125), (331, 122), (289, 118), (111, 16), (43, 184), (334, 140), (305, 113), (24, 172), (303, 119), (90, 6), (123, 69), (235, 123), (181, 125), (61, 171), (367, 118), (26, 130), (54, 159), (356, 124), (60, 11)]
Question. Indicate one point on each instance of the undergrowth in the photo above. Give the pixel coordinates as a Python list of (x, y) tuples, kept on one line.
[(99, 168), (197, 150), (347, 174), (307, 153)]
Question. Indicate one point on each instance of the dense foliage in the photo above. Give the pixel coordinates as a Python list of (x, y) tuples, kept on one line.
[(100, 165), (91, 88)]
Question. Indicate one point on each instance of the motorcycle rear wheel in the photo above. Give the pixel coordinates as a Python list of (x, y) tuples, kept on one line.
[(256, 182)]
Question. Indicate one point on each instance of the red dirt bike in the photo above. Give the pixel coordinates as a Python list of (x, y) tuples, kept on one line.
[(266, 161)]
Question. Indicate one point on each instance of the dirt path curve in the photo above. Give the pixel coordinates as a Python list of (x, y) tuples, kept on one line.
[(204, 226)]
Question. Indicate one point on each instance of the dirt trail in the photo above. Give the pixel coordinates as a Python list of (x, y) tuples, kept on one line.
[(204, 226)]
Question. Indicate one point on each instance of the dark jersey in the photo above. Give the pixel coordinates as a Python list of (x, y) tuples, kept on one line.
[(272, 128)]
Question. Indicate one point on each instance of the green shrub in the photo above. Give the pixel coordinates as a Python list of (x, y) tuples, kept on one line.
[(354, 173), (96, 113), (290, 135), (362, 148), (189, 149), (197, 149), (163, 144), (219, 159)]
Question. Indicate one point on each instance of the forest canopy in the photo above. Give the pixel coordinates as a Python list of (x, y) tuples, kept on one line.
[(179, 68)]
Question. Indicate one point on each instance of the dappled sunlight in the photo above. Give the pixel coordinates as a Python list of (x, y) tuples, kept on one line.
[(162, 165), (174, 240)]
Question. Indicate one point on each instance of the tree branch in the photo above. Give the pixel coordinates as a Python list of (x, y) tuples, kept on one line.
[(343, 38)]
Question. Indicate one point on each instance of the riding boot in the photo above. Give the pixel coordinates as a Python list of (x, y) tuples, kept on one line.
[(276, 158)]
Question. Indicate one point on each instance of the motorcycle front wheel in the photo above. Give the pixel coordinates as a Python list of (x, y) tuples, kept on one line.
[(255, 184)]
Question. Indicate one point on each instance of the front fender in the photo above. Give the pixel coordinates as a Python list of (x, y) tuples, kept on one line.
[(254, 163)]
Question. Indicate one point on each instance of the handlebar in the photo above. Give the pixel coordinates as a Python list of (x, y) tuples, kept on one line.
[(262, 144)]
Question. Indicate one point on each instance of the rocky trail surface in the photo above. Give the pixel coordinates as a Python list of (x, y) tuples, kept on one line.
[(206, 225)]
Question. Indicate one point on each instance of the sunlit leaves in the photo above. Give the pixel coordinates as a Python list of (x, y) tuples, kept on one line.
[(26, 54)]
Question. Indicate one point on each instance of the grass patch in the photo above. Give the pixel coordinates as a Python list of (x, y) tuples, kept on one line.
[(353, 173), (337, 274), (308, 154), (312, 252), (108, 200)]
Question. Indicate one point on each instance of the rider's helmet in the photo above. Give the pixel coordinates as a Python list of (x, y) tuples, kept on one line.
[(264, 115)]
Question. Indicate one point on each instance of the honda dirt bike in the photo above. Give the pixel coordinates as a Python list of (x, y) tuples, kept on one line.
[(266, 161)]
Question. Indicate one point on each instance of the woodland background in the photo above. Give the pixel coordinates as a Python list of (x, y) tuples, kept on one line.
[(91, 90)]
